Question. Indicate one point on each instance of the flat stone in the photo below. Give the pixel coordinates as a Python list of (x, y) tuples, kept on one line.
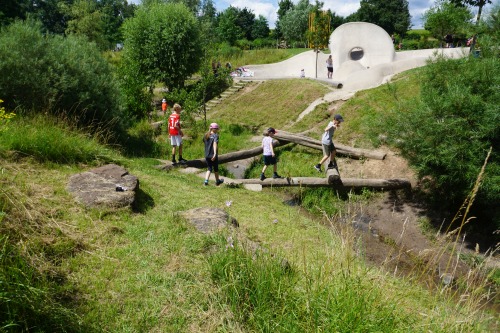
[(109, 186), (209, 220)]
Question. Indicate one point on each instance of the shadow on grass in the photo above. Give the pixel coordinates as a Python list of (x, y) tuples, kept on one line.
[(143, 202)]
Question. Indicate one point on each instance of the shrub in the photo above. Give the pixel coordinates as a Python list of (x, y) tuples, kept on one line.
[(447, 133), (59, 75)]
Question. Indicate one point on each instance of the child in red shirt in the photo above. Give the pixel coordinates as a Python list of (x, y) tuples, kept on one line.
[(175, 132)]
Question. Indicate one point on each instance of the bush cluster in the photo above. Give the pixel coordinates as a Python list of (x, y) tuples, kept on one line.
[(448, 131), (47, 73)]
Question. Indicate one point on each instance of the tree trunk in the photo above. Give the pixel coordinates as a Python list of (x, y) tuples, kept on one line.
[(344, 183), (233, 156), (316, 144)]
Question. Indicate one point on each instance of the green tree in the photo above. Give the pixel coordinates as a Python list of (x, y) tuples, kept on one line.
[(260, 28), (245, 19), (52, 14), (162, 41), (86, 20), (294, 24), (114, 13), (13, 9), (391, 15), (283, 7), (228, 29), (475, 3), (320, 34), (445, 18)]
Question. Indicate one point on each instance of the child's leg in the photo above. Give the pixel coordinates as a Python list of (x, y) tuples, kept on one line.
[(264, 169), (275, 167), (180, 151)]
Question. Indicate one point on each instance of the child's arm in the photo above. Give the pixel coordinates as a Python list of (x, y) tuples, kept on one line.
[(330, 125), (215, 151)]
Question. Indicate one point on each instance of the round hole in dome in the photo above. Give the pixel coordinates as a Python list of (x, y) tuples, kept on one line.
[(356, 53)]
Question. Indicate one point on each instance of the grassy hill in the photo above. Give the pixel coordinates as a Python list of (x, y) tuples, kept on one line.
[(148, 270)]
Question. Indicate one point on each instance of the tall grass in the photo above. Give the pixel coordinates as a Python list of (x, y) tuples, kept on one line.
[(28, 301), (268, 294), (48, 139)]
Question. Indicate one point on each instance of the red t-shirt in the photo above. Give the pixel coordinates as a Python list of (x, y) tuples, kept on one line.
[(174, 124), (164, 106)]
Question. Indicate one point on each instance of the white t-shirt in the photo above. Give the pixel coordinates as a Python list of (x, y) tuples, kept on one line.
[(267, 141)]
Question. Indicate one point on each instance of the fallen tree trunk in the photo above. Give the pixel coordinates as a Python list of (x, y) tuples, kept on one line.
[(343, 183), (333, 176), (233, 156), (316, 144)]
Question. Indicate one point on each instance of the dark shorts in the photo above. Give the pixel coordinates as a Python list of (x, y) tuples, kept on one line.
[(212, 165), (330, 69), (269, 160), (328, 149)]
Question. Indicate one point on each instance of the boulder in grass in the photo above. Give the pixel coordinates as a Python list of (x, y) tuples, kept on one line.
[(107, 186), (209, 220)]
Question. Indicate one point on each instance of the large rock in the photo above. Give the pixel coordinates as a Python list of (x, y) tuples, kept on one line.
[(208, 220), (106, 186)]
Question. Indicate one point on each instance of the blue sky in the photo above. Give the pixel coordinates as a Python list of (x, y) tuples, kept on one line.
[(268, 8)]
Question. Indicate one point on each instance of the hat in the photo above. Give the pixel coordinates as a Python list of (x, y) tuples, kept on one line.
[(271, 130), (214, 126), (338, 118), (164, 100)]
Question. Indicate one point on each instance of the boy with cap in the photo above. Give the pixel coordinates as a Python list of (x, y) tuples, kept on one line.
[(268, 152), (327, 143)]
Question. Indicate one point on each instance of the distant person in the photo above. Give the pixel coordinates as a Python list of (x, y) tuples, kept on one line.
[(302, 73), (175, 132), (393, 39), (268, 153), (449, 40), (164, 106), (329, 66), (329, 150), (211, 140)]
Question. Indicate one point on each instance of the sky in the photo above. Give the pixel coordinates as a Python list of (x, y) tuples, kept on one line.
[(268, 8)]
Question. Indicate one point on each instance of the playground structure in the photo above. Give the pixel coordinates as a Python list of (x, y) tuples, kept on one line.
[(332, 177)]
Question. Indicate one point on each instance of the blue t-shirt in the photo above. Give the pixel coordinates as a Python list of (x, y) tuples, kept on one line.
[(209, 144)]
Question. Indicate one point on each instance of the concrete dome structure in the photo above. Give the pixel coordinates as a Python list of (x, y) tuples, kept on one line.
[(365, 44)]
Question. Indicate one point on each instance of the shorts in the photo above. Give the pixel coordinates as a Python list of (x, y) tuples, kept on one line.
[(328, 149), (269, 160), (212, 165), (176, 140), (330, 69)]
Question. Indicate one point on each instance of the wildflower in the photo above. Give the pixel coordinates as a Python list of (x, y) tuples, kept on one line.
[(275, 221), (229, 203)]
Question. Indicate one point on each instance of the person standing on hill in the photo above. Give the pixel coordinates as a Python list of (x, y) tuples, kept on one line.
[(175, 132), (268, 153), (327, 143), (164, 106), (329, 66), (211, 140)]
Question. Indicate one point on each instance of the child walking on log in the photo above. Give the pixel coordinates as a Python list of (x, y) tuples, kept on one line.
[(327, 143), (268, 153), (211, 140)]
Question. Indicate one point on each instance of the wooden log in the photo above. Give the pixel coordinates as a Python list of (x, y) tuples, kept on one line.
[(341, 149), (343, 183), (332, 175), (233, 156)]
